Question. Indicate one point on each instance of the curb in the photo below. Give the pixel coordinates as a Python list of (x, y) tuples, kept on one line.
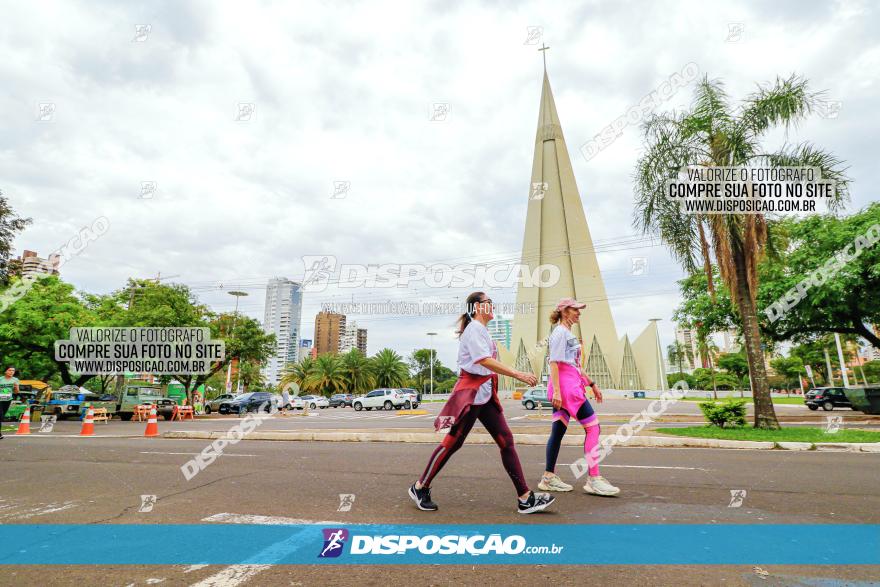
[(528, 439)]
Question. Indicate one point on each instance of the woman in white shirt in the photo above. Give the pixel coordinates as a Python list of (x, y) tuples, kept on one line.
[(475, 397), (568, 393)]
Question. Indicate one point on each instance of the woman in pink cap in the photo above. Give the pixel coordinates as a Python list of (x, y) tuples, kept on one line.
[(568, 393)]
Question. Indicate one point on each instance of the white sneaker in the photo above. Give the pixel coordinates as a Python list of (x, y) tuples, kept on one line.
[(553, 483), (599, 486)]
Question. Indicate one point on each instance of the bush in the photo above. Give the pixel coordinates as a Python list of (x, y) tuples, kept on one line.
[(725, 414)]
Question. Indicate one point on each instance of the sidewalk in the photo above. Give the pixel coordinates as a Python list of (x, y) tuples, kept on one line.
[(391, 435)]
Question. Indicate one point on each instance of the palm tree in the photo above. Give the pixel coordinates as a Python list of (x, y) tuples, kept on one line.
[(327, 375), (389, 369), (714, 134), (299, 374), (677, 353), (358, 371)]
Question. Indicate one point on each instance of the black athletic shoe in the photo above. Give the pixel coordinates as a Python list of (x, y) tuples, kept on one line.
[(535, 503), (422, 497)]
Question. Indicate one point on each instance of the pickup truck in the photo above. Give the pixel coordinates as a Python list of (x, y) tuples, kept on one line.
[(134, 395)]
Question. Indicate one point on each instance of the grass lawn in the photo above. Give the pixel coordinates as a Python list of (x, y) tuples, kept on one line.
[(776, 400), (790, 434)]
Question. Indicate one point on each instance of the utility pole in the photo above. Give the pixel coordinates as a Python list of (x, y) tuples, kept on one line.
[(840, 358)]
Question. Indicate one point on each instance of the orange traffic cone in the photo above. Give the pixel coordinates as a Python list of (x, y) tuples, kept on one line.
[(152, 423), (24, 426), (88, 427)]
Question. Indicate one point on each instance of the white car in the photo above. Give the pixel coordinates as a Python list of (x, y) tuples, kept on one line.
[(315, 401), (295, 403), (380, 399), (411, 396)]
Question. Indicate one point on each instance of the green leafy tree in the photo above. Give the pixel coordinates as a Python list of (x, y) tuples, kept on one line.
[(734, 363), (30, 326), (847, 300), (358, 371), (299, 374), (389, 369), (328, 375), (713, 133), (10, 225), (677, 353), (790, 368)]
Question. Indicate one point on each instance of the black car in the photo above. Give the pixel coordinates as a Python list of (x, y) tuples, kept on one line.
[(827, 397), (341, 399), (248, 402)]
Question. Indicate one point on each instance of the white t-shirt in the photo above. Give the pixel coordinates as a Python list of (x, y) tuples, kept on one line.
[(475, 344), (564, 346)]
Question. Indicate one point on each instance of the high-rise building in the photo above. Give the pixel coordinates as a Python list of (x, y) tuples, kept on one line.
[(30, 264), (501, 329), (688, 339), (730, 342), (329, 332), (556, 234), (362, 340), (282, 318)]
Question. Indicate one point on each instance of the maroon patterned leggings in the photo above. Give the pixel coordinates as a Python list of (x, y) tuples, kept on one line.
[(493, 420)]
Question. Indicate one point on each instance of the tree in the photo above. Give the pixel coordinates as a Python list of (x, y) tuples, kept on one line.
[(358, 371), (677, 353), (299, 374), (30, 326), (734, 363), (328, 375), (389, 369), (712, 133), (871, 370), (10, 225), (846, 300), (790, 368)]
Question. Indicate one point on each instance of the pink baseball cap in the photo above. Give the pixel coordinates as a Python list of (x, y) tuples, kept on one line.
[(570, 303)]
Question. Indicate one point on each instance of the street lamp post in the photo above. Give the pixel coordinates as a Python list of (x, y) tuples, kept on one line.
[(431, 336), (237, 294)]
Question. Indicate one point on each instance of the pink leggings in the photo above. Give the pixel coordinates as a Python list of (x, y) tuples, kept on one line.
[(590, 421)]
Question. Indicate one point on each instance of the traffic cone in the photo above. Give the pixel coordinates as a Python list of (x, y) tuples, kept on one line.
[(88, 427), (24, 426), (152, 423)]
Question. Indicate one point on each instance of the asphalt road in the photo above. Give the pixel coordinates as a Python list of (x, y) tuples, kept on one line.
[(100, 480)]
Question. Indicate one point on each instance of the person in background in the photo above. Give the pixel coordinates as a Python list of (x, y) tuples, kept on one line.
[(8, 386), (285, 401)]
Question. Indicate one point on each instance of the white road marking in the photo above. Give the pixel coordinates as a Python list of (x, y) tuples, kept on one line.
[(191, 454), (518, 417), (643, 467), (237, 574), (228, 518), (192, 568)]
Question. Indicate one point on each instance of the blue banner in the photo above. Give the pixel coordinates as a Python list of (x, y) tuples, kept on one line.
[(612, 544)]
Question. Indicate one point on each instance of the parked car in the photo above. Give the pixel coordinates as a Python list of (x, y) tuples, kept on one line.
[(412, 398), (380, 399), (534, 397), (827, 397), (295, 403), (341, 399), (252, 401), (72, 401), (214, 404), (315, 401)]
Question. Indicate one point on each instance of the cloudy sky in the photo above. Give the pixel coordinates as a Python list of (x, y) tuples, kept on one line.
[(345, 92)]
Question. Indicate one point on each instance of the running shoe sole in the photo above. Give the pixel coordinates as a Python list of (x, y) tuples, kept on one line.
[(592, 491), (537, 508), (544, 487), (415, 498)]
